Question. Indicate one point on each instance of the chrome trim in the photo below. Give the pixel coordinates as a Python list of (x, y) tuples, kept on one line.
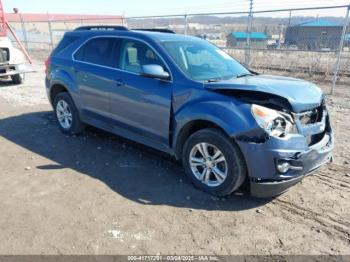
[(118, 69), (296, 168)]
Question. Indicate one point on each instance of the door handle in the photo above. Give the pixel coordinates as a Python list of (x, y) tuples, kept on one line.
[(119, 82)]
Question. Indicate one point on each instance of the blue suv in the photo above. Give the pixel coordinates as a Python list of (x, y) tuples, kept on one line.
[(186, 97)]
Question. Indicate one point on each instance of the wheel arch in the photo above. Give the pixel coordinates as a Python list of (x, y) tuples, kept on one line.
[(62, 80), (190, 128), (57, 86), (55, 89)]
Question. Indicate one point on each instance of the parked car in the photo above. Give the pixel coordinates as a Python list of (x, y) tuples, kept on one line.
[(12, 62), (186, 97), (293, 47)]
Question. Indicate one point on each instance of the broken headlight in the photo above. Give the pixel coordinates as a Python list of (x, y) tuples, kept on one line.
[(275, 123)]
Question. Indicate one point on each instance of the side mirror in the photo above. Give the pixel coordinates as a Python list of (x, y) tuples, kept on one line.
[(154, 71)]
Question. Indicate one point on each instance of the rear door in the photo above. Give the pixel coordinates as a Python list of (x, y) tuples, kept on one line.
[(95, 73), (139, 104)]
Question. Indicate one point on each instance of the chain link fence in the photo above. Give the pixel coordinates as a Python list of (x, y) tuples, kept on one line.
[(299, 42), (40, 36)]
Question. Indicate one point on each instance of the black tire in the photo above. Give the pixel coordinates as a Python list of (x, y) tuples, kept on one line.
[(17, 79), (77, 126), (236, 167)]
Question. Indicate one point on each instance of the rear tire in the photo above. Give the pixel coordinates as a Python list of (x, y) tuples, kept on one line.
[(17, 79), (67, 116), (222, 168)]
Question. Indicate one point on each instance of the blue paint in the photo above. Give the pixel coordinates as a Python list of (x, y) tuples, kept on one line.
[(155, 112), (253, 35)]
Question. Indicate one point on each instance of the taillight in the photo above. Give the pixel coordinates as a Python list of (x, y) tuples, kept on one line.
[(47, 64)]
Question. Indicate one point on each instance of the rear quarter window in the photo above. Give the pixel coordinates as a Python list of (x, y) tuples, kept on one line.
[(97, 51), (64, 43)]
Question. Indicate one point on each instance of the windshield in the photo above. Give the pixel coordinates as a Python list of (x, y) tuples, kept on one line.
[(202, 61)]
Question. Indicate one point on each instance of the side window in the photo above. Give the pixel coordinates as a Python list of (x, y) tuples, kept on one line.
[(97, 51), (135, 54)]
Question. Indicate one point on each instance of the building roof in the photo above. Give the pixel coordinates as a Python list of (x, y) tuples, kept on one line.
[(318, 23), (35, 17), (253, 35)]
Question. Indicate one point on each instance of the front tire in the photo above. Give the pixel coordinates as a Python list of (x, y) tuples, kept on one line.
[(17, 79), (213, 162), (67, 115)]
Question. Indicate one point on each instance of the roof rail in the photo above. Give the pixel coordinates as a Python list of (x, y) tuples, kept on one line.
[(101, 27), (159, 30)]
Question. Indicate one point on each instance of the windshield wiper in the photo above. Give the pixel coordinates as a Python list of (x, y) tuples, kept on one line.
[(243, 75), (212, 80)]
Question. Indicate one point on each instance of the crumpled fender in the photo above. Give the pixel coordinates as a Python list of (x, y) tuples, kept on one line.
[(233, 116)]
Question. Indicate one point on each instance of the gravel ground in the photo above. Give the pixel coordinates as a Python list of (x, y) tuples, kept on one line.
[(101, 194)]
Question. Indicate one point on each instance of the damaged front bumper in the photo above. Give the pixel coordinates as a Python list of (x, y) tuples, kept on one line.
[(277, 164)]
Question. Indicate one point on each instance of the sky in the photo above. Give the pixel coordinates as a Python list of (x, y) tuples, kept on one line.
[(166, 7)]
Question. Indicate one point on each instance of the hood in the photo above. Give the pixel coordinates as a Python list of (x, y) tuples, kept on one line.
[(302, 95)]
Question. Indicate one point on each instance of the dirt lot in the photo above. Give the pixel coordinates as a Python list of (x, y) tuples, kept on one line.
[(100, 194)]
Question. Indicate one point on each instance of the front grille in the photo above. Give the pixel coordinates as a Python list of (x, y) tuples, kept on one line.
[(314, 139), (314, 124), (4, 55), (312, 116)]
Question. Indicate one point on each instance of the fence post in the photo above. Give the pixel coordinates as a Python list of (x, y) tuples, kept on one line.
[(249, 31), (340, 50), (124, 21), (280, 36), (51, 35), (24, 32), (186, 24), (290, 18)]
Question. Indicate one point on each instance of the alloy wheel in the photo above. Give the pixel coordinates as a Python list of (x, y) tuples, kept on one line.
[(208, 164), (64, 114)]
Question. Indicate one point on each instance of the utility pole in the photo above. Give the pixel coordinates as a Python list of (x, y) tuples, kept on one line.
[(340, 50), (249, 32), (50, 30)]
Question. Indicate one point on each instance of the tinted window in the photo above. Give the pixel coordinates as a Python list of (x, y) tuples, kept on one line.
[(97, 51), (135, 54)]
